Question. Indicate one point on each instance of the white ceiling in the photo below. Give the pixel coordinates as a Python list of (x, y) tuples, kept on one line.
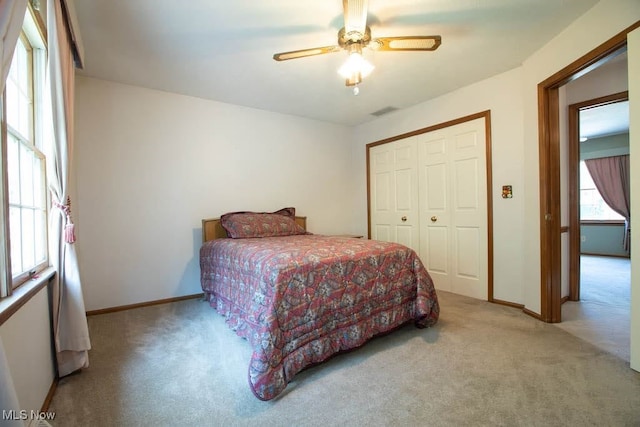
[(606, 120), (222, 50)]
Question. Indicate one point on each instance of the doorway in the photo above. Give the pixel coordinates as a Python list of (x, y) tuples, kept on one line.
[(550, 177), (597, 307), (603, 109)]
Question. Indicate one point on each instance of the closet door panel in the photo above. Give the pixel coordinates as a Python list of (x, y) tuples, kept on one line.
[(394, 197), (469, 209), (437, 255), (382, 192), (453, 207)]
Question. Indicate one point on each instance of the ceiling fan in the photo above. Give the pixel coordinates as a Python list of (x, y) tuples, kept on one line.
[(354, 36)]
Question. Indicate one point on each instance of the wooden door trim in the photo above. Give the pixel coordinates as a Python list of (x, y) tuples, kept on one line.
[(549, 168), (486, 115), (574, 184), (489, 173)]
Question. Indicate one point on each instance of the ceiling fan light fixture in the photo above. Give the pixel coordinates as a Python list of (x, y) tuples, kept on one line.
[(356, 35), (353, 79), (355, 67)]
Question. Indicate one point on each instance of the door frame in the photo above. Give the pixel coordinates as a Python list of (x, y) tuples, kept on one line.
[(574, 184), (486, 115), (549, 167)]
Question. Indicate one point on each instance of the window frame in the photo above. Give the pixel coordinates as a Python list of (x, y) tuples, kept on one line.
[(33, 34), (20, 278)]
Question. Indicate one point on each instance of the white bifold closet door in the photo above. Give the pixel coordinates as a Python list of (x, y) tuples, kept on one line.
[(429, 192), (453, 207), (394, 193)]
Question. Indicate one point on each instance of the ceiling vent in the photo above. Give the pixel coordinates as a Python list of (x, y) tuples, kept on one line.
[(383, 111)]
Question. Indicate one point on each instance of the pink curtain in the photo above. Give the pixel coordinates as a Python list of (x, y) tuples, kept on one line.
[(611, 176), (11, 19), (71, 331)]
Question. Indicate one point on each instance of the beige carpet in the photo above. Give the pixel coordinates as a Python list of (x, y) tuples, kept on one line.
[(481, 365), (602, 316)]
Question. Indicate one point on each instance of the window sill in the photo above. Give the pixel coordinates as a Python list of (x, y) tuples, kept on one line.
[(602, 222), (21, 295)]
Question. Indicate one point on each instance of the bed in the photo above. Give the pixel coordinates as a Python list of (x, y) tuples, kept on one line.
[(300, 298)]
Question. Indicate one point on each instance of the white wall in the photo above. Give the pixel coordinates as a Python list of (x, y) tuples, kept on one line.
[(606, 80), (26, 337), (502, 95), (151, 165)]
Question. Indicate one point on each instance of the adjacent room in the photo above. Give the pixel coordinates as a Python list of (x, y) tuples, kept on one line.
[(161, 159)]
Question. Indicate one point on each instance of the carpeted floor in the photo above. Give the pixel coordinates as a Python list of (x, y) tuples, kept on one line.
[(481, 365), (602, 316)]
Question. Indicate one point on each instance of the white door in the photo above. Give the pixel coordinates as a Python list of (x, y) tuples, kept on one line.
[(394, 192), (453, 207)]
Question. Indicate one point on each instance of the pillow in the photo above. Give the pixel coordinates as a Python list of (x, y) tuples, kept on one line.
[(287, 212), (243, 225)]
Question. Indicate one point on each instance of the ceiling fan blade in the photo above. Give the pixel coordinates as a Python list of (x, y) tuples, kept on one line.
[(294, 54), (408, 43), (355, 15)]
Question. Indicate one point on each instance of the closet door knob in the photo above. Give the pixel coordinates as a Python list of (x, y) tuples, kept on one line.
[(404, 219), (434, 218)]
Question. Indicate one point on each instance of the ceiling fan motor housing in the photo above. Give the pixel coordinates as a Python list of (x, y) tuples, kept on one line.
[(345, 39)]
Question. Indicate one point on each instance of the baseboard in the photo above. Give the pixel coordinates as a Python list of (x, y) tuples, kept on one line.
[(532, 314), (143, 304), (507, 303), (627, 256), (52, 390)]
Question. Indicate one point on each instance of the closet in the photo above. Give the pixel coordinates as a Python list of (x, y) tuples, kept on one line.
[(429, 191)]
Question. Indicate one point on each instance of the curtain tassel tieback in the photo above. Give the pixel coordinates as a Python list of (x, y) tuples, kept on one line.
[(69, 227)]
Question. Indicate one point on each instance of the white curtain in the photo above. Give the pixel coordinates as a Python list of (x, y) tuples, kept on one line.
[(69, 318), (11, 18)]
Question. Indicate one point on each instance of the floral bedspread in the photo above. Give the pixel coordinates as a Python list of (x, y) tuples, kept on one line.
[(300, 299)]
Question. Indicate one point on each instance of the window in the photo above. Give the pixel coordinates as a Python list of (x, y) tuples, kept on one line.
[(26, 178), (592, 206)]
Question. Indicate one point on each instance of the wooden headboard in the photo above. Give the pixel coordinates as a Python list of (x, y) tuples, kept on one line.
[(212, 229)]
